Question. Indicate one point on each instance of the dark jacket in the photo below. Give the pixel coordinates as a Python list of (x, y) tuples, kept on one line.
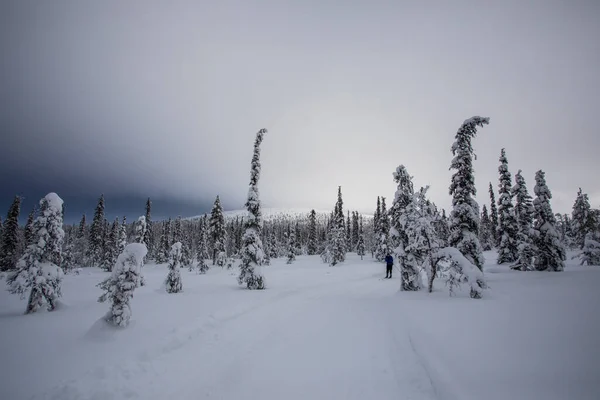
[(389, 260)]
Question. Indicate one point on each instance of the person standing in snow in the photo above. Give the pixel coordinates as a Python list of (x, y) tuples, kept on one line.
[(389, 260)]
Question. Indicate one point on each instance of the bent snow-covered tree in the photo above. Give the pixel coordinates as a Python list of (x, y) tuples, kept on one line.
[(38, 269), (252, 251), (549, 251), (124, 279), (173, 281), (461, 270), (464, 219)]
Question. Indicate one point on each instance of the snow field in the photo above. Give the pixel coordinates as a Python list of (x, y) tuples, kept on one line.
[(317, 332)]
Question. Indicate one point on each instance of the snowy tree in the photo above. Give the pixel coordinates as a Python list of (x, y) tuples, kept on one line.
[(29, 231), (494, 216), (404, 219), (122, 241), (507, 223), (384, 229), (591, 249), (582, 220), (119, 286), (549, 252), (217, 233), (68, 255), (112, 244), (338, 244), (252, 252), (360, 246), (96, 241), (38, 269), (464, 219), (148, 236), (202, 246), (10, 237), (485, 234), (173, 281), (80, 246), (461, 270), (291, 248), (163, 243), (348, 233), (355, 229), (524, 212), (312, 233), (140, 231), (106, 261)]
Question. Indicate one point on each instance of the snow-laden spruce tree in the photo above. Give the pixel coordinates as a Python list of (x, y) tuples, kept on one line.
[(252, 252), (80, 245), (355, 229), (404, 219), (485, 234), (291, 247), (338, 233), (148, 236), (384, 231), (464, 219), (10, 237), (507, 223), (549, 251), (494, 216), (163, 248), (217, 233), (173, 281), (96, 241), (124, 279), (140, 230), (29, 231), (582, 220), (312, 233), (111, 244), (38, 269), (360, 246), (122, 242), (524, 212), (590, 254)]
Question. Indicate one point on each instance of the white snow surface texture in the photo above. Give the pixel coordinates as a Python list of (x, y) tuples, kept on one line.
[(317, 332)]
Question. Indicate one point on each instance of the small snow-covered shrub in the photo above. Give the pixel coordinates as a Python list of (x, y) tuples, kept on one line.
[(124, 279), (173, 281)]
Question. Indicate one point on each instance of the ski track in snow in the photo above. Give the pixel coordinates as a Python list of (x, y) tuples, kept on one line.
[(315, 333), (257, 365)]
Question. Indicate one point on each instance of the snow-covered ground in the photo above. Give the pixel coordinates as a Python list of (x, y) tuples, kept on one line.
[(316, 333)]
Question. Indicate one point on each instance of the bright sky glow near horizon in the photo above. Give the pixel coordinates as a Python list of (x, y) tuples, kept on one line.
[(163, 99)]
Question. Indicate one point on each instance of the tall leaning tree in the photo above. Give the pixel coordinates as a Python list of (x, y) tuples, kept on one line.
[(464, 219), (252, 251)]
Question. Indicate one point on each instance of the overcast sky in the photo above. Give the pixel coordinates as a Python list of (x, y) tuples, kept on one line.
[(163, 98)]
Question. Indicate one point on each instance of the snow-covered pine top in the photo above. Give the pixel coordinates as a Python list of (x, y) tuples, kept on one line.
[(54, 202), (130, 259), (541, 203)]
